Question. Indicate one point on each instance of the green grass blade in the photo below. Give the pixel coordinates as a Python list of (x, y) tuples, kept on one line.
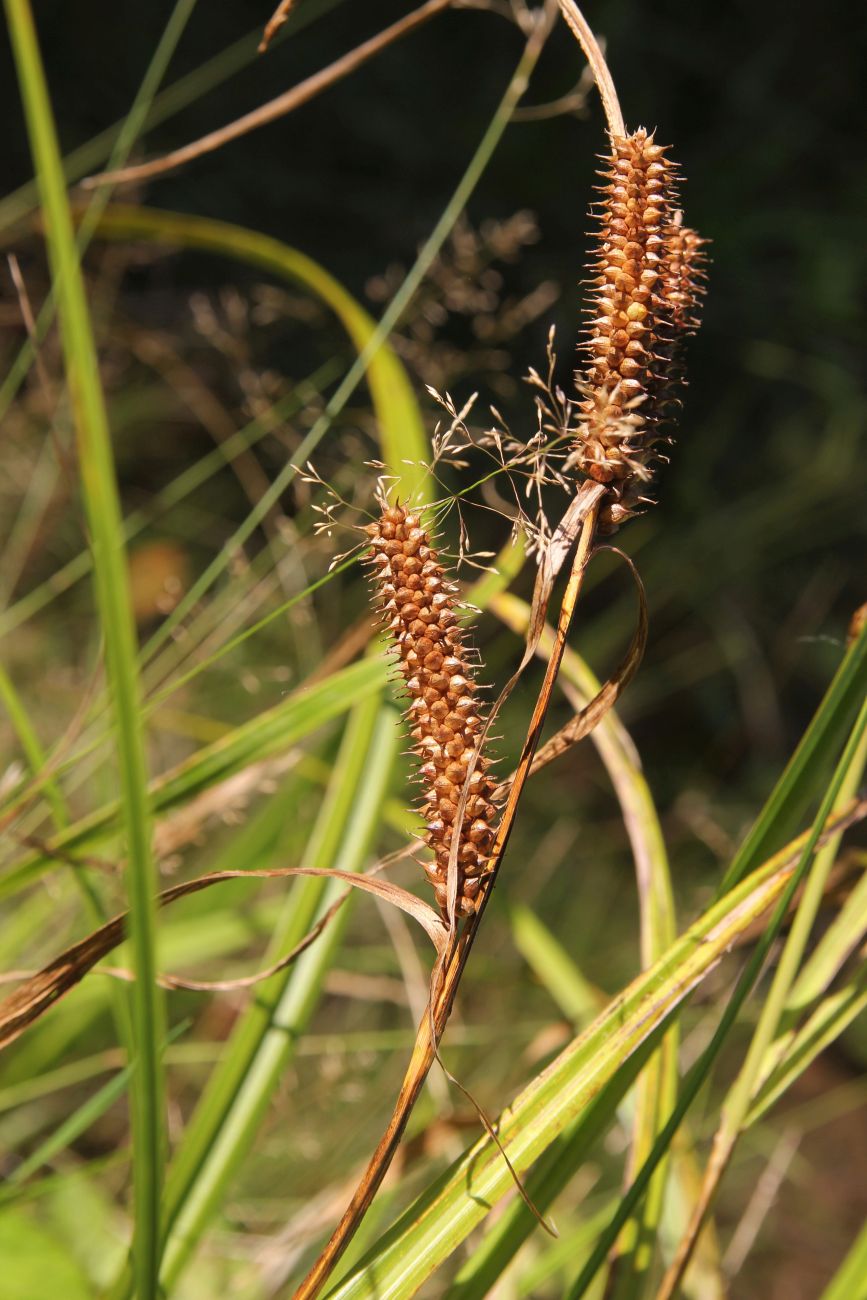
[(547, 1179), (796, 987), (657, 1088), (576, 997), (126, 137), (104, 520), (401, 429), (30, 745), (194, 476), (809, 766), (847, 777), (59, 814), (283, 1010), (850, 1280), (187, 90), (448, 1212), (270, 733), (78, 1122), (840, 939), (701, 1069), (799, 1048)]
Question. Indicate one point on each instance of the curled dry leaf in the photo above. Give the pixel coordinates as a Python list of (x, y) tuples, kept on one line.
[(34, 997)]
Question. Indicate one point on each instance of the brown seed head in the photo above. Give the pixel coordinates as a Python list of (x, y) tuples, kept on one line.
[(645, 290), (418, 602)]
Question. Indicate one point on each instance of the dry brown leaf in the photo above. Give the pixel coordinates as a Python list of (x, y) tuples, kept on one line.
[(34, 997)]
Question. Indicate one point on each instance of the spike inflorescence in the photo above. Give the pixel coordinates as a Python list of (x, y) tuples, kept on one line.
[(646, 287), (418, 604)]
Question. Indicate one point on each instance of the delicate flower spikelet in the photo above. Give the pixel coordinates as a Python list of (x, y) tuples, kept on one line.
[(418, 603), (646, 287)]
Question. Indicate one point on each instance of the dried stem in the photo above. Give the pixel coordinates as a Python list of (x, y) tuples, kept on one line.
[(275, 108), (274, 23), (589, 44)]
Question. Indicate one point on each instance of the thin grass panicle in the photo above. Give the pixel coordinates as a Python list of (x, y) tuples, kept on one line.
[(418, 604)]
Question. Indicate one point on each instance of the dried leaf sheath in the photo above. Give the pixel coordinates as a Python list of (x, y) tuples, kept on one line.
[(418, 602)]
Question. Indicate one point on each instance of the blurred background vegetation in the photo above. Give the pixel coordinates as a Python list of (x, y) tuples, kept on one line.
[(753, 561)]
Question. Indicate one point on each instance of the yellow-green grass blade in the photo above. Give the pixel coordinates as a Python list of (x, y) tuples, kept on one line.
[(802, 781), (271, 732), (699, 1072), (188, 89), (799, 1048), (737, 1103), (657, 1087), (75, 765), (193, 477), (445, 1215), (207, 927), (371, 747), (554, 967), (562, 1256), (127, 134), (402, 436), (581, 1002), (796, 986), (841, 938), (403, 441), (74, 1125), (549, 1176), (104, 520), (33, 751), (850, 1280)]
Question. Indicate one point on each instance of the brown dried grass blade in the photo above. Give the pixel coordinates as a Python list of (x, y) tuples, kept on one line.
[(274, 23), (40, 992), (594, 711), (275, 108)]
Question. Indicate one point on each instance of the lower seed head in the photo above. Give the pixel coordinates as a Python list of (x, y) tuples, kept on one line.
[(443, 710)]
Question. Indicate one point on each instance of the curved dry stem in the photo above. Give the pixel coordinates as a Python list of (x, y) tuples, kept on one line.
[(274, 23), (275, 108), (582, 32), (47, 986)]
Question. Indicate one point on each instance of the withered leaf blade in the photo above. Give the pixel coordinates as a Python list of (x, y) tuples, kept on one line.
[(39, 992)]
